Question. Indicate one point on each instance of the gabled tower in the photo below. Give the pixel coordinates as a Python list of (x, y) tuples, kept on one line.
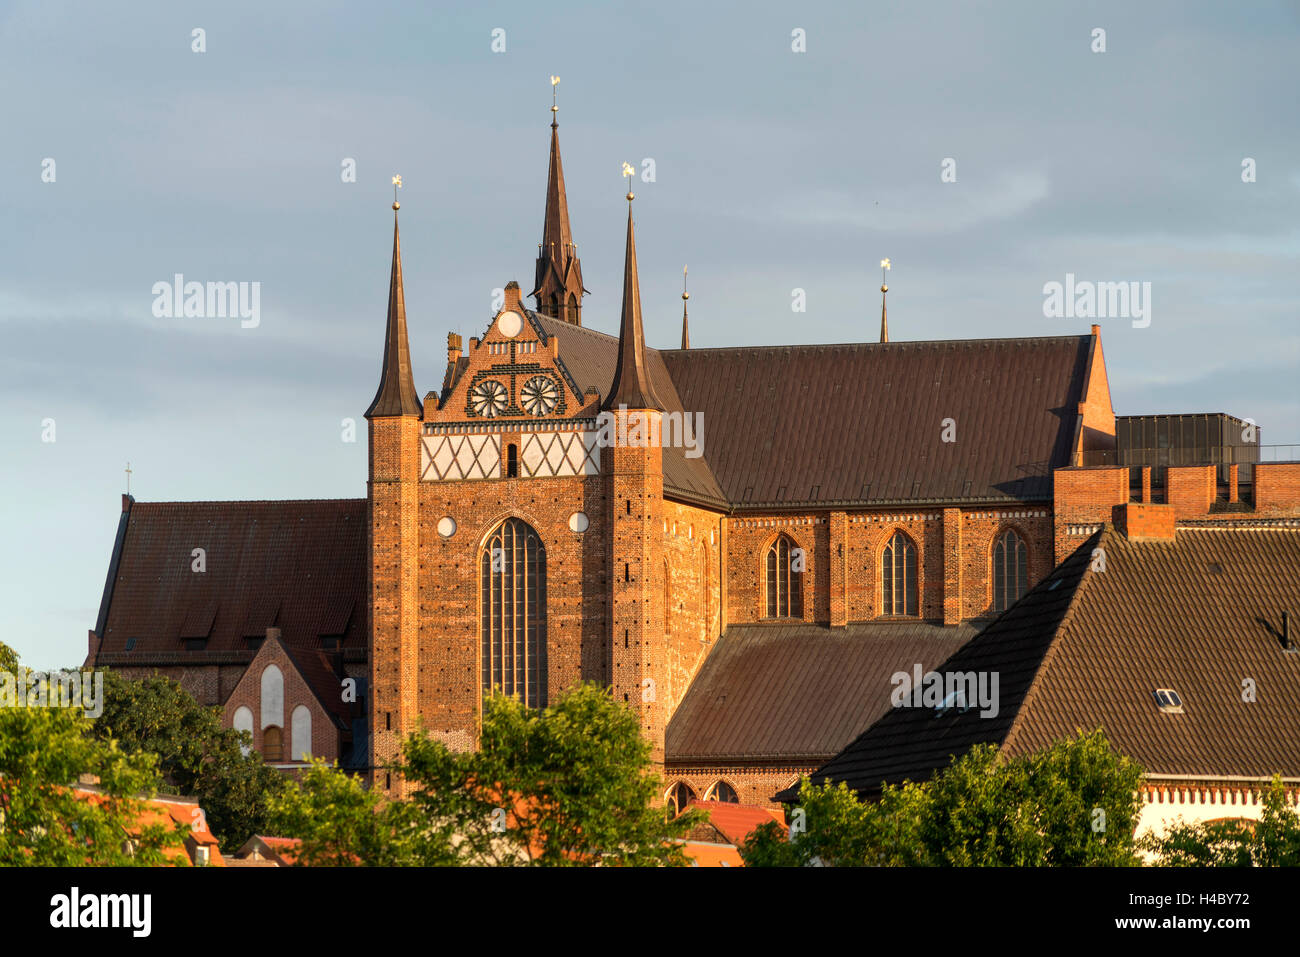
[(558, 286), (639, 659), (392, 529)]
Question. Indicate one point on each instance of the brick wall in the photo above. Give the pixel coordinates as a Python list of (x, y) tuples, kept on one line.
[(1277, 488), (325, 737), (1190, 489), (754, 784), (1084, 498), (1146, 522)]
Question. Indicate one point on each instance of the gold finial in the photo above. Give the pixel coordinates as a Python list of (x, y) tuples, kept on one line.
[(629, 171), (397, 184), (884, 268), (555, 81), (685, 295)]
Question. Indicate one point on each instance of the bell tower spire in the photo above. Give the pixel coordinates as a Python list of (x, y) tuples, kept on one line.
[(558, 285), (631, 387), (396, 394)]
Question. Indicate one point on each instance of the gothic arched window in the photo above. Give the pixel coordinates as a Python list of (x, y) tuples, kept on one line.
[(784, 579), (1010, 570), (513, 612), (679, 795), (898, 591), (724, 792)]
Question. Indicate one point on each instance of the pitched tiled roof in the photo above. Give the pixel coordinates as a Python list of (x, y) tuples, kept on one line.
[(798, 692), (1199, 614), (787, 425), (736, 822), (299, 566)]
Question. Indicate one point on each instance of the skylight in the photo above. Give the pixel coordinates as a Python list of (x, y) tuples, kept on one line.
[(1168, 701)]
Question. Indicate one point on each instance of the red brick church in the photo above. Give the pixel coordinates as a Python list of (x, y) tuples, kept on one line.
[(743, 543)]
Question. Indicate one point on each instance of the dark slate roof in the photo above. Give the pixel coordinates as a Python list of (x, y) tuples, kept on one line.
[(589, 357), (798, 692), (1085, 649), (860, 423), (324, 674), (299, 566)]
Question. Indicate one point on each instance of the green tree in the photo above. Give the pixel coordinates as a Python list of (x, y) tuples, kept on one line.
[(1074, 804), (8, 659), (571, 784), (197, 756), (1272, 841), (44, 822)]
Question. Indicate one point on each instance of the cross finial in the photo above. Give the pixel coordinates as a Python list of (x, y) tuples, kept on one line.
[(128, 478), (555, 81), (629, 171), (685, 294), (397, 184)]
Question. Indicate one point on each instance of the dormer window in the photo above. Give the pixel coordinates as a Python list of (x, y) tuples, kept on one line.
[(1167, 700)]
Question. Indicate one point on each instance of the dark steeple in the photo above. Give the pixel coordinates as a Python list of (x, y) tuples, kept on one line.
[(558, 287), (631, 386), (396, 395)]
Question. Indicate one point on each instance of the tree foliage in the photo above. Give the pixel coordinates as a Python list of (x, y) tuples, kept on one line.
[(1074, 804), (45, 822), (198, 757), (1272, 841), (571, 784), (8, 659)]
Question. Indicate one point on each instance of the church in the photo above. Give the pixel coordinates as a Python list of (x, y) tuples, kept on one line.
[(742, 543)]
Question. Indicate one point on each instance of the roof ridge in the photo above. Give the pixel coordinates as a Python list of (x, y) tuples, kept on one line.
[(874, 345), (247, 501)]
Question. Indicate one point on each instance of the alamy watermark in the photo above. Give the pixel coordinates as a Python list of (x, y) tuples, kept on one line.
[(641, 430), (179, 299), (962, 690), (53, 689), (1098, 300)]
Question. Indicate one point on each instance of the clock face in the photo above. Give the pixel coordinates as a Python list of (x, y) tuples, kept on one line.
[(510, 324), (488, 398), (539, 395)]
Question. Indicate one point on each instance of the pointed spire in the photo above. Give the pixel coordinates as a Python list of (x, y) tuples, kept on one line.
[(686, 332), (884, 288), (558, 282), (396, 394), (631, 387)]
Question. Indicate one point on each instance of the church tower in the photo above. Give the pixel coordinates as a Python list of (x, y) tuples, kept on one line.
[(639, 659), (558, 286), (393, 528)]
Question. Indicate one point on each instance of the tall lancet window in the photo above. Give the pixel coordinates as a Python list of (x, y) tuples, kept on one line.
[(898, 591), (512, 585), (784, 580), (1010, 570)]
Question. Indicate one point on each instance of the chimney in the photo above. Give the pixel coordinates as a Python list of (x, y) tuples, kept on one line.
[(1145, 522), (453, 346), (272, 633), (1096, 329), (512, 296), (473, 343)]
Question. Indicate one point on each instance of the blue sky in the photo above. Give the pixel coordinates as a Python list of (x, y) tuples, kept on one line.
[(774, 170)]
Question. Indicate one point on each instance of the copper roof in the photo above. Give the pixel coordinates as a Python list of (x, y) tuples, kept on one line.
[(396, 393), (1199, 614), (798, 692), (299, 566), (558, 256)]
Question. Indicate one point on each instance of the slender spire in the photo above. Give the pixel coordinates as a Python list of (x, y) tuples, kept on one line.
[(558, 282), (631, 387), (884, 321), (396, 394), (686, 332)]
